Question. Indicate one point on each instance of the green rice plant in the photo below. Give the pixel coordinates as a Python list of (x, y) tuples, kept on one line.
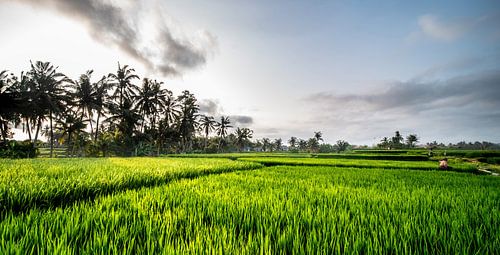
[(363, 163), (29, 183), (277, 210), (400, 157)]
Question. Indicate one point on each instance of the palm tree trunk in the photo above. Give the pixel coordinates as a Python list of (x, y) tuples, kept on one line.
[(69, 144), (89, 111), (97, 126), (28, 129), (3, 129), (38, 125), (51, 135)]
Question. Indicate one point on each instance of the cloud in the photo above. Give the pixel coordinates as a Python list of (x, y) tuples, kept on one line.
[(241, 120), (479, 88), (461, 107), (210, 107), (433, 27), (168, 53)]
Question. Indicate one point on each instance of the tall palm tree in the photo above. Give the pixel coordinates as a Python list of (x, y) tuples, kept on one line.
[(187, 120), (292, 142), (207, 125), (101, 101), (150, 100), (266, 144), (278, 144), (242, 137), (318, 136), (84, 96), (48, 84), (9, 104), (222, 128), (122, 81)]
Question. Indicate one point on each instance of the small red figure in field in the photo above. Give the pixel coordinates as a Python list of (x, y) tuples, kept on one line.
[(443, 164)]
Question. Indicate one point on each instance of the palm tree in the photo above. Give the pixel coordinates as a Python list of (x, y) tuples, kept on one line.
[(302, 144), (266, 143), (222, 128), (242, 137), (170, 108), (123, 84), (187, 121), (207, 125), (150, 100), (101, 101), (278, 144), (8, 103), (292, 142), (318, 136), (48, 84), (69, 124), (84, 96)]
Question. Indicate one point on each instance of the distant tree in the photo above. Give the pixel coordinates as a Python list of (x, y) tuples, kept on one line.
[(411, 140), (318, 136), (384, 143), (397, 141), (292, 142), (207, 125), (266, 144), (342, 145), (278, 144), (222, 128), (302, 144), (187, 120), (313, 144), (243, 136)]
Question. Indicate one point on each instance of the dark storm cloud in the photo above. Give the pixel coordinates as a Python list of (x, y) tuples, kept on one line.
[(480, 89), (241, 119), (111, 24)]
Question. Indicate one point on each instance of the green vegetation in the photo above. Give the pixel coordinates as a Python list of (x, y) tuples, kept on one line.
[(281, 209), (29, 183), (361, 163)]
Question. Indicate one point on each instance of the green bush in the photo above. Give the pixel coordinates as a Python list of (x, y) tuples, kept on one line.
[(16, 149)]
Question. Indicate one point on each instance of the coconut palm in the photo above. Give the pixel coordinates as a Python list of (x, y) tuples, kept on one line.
[(48, 86), (292, 142), (242, 137), (70, 123), (278, 144), (150, 100), (222, 128), (207, 125), (187, 120), (122, 81), (8, 103), (318, 136)]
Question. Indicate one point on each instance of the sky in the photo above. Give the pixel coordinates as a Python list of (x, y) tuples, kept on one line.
[(354, 70)]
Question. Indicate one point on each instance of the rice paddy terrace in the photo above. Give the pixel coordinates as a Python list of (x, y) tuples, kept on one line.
[(260, 203)]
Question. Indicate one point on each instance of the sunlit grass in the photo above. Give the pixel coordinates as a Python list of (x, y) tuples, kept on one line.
[(283, 209)]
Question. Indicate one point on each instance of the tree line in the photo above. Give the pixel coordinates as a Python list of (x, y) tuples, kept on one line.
[(111, 115)]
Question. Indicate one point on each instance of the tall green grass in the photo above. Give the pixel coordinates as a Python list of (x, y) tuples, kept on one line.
[(362, 163), (278, 210), (29, 183)]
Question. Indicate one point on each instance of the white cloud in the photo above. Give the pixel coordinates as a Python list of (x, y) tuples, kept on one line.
[(433, 27)]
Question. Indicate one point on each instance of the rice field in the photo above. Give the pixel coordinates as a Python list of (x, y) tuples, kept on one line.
[(245, 206)]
